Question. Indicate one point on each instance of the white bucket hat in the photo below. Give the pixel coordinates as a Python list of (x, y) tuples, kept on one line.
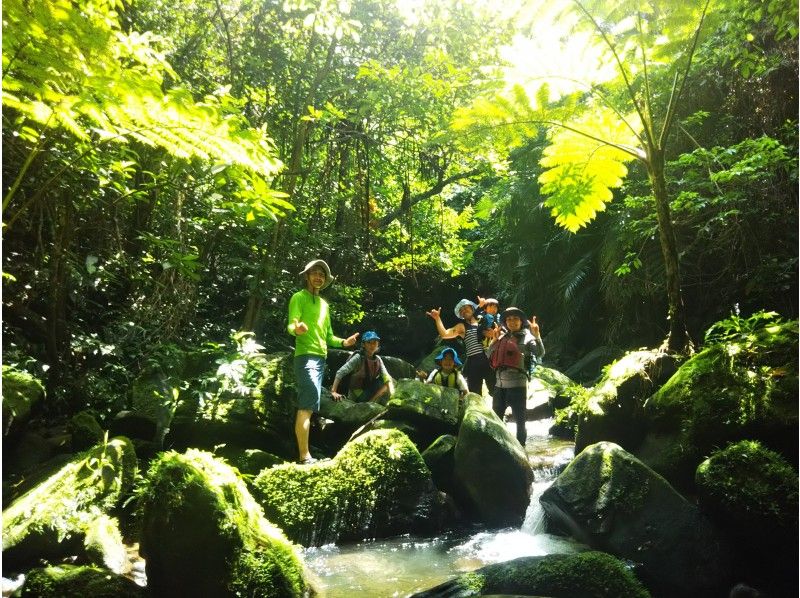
[(463, 303), (321, 264)]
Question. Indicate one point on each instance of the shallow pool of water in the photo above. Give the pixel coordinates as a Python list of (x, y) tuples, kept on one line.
[(405, 565)]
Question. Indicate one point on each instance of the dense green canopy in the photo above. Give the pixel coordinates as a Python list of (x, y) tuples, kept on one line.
[(624, 170)]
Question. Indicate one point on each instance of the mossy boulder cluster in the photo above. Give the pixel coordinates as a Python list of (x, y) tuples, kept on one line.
[(260, 417), (721, 430), (736, 390), (203, 534)]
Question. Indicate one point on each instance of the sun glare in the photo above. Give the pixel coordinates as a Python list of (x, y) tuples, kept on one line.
[(547, 49)]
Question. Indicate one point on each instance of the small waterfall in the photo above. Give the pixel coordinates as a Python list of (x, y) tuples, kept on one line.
[(534, 517)]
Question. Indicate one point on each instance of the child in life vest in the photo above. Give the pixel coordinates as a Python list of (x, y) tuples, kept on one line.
[(513, 356), (369, 379), (446, 373)]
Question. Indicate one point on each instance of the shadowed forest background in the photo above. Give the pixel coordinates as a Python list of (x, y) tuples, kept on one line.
[(169, 167)]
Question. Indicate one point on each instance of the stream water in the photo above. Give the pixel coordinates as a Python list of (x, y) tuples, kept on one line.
[(404, 565)]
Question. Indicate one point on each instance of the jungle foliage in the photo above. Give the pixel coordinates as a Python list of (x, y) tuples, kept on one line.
[(169, 167)]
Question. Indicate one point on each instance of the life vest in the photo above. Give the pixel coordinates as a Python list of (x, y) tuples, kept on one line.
[(369, 371), (507, 354), (451, 381)]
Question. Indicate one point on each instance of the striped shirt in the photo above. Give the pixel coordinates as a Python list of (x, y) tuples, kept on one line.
[(471, 340)]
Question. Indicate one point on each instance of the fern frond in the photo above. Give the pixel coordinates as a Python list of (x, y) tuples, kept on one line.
[(584, 162)]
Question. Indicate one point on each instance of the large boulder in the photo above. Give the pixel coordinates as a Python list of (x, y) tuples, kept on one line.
[(424, 411), (344, 418), (259, 417), (376, 486), (594, 574), (52, 519), (752, 493), (84, 430), (21, 393), (743, 389), (71, 581), (608, 499), (203, 534), (491, 468), (613, 408)]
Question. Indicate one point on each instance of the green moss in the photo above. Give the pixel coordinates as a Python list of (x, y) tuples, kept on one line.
[(750, 488), (85, 431), (731, 391), (61, 506), (565, 422), (103, 543), (194, 500), (355, 494), (595, 574), (69, 581), (606, 478), (20, 392)]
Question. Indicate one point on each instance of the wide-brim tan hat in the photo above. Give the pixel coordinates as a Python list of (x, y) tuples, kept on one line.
[(321, 264)]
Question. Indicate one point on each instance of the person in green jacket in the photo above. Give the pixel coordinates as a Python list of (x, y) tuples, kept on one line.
[(310, 324)]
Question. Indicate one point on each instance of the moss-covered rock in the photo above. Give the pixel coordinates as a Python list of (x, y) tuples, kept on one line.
[(21, 393), (752, 493), (248, 461), (70, 581), (750, 488), (346, 417), (608, 499), (263, 418), (491, 468), (103, 544), (50, 520), (586, 574), (84, 430), (376, 486), (428, 410), (203, 534), (440, 459), (613, 408), (736, 390)]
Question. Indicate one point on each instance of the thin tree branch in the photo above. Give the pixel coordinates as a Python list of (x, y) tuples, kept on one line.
[(435, 190), (674, 97)]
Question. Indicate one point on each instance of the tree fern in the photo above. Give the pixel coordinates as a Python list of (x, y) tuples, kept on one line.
[(70, 65)]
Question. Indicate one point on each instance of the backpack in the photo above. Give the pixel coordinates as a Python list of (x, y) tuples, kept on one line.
[(507, 354)]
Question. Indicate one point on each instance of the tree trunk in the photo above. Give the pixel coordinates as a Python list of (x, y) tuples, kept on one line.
[(57, 333), (678, 340), (267, 264)]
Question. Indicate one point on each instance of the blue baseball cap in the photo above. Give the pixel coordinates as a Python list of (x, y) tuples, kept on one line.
[(445, 351), (370, 335)]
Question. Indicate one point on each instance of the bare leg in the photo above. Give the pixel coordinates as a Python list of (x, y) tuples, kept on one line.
[(302, 425)]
